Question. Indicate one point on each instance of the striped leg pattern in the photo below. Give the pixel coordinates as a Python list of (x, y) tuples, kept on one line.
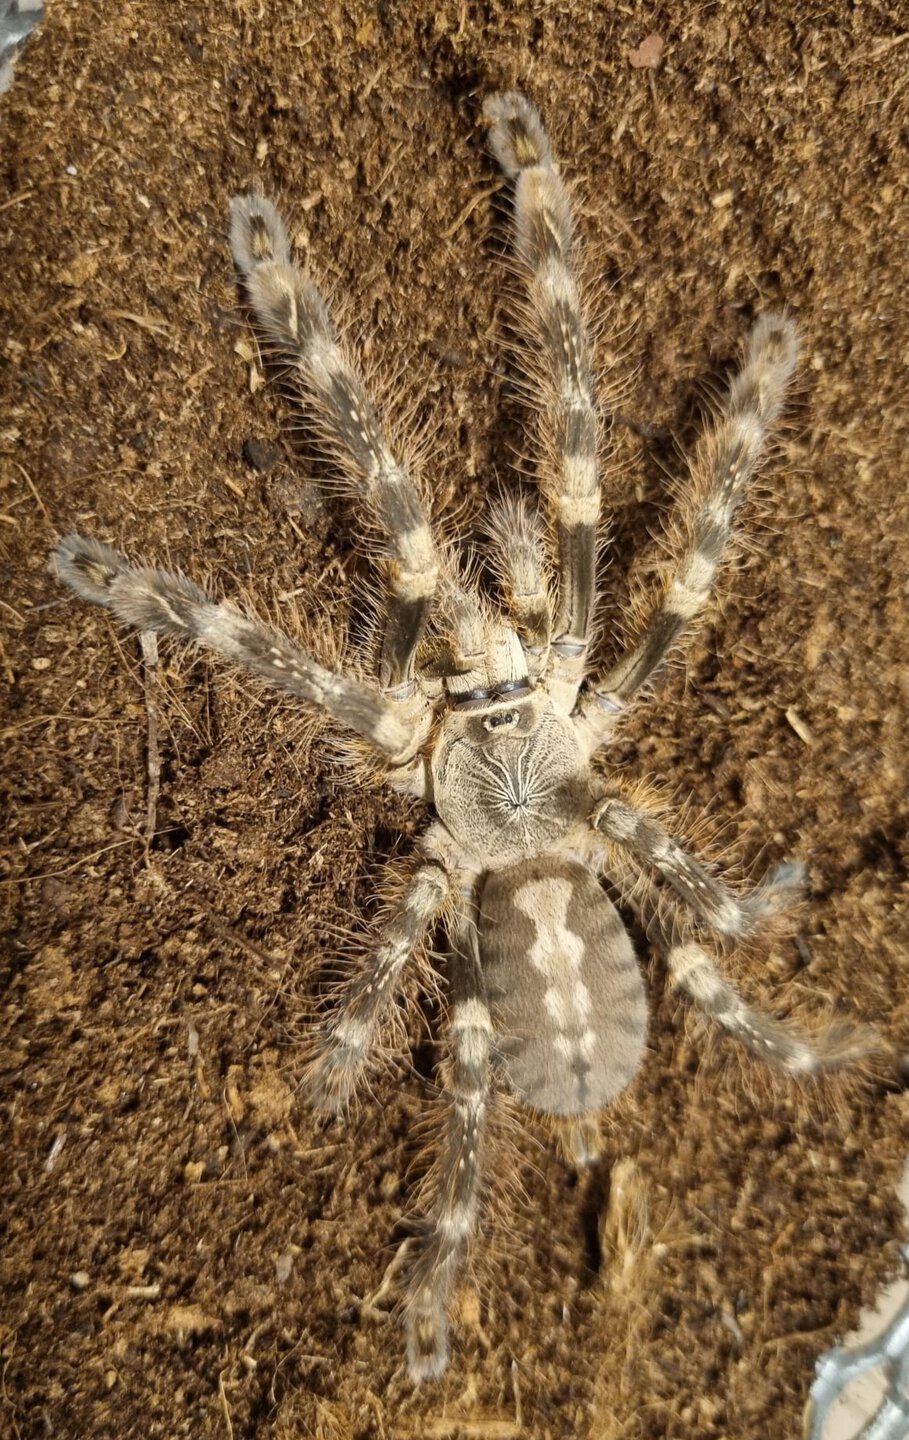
[(156, 600), (454, 1213), (568, 413), (721, 473), (714, 904), (694, 972), (352, 1036), (292, 316)]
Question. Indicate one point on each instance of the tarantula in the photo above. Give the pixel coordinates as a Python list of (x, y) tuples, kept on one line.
[(489, 713)]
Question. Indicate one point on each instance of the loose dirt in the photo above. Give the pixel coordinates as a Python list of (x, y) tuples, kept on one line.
[(188, 1252)]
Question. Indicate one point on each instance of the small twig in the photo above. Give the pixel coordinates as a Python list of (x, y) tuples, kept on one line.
[(801, 727), (369, 1305), (31, 485), (149, 642), (144, 322), (16, 199), (227, 932), (464, 214), (143, 1292), (222, 1395)]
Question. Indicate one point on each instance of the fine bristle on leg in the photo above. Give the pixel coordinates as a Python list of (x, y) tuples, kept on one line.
[(721, 473), (518, 561), (352, 1034), (292, 315), (157, 600), (562, 371), (711, 901), (695, 973), (454, 1213)]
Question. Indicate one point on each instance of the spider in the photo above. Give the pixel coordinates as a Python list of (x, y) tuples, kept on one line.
[(487, 710)]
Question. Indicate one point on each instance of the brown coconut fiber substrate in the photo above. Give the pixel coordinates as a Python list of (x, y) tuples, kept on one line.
[(189, 1253)]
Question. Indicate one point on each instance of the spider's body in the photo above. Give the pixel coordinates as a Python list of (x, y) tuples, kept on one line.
[(493, 717), (511, 786)]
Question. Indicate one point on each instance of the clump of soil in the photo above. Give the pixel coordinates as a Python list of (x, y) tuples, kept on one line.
[(188, 1251)]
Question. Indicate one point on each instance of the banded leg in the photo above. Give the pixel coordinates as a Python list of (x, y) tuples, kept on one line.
[(454, 1214), (353, 1032), (169, 604), (568, 420), (695, 973), (292, 314), (712, 902), (721, 473)]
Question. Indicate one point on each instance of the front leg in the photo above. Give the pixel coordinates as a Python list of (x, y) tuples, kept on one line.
[(167, 604), (721, 473), (561, 372), (292, 316)]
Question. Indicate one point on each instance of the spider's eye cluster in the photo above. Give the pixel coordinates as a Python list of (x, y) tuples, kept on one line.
[(500, 718)]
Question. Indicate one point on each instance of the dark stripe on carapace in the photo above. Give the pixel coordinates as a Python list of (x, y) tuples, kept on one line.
[(480, 698)]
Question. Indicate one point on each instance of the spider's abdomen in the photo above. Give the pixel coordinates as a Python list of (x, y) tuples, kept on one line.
[(565, 989)]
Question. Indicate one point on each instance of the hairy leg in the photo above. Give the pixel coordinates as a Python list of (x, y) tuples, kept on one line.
[(293, 316), (454, 1213), (694, 972), (156, 600), (456, 643), (721, 473), (518, 560), (352, 1034), (712, 902), (561, 374)]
